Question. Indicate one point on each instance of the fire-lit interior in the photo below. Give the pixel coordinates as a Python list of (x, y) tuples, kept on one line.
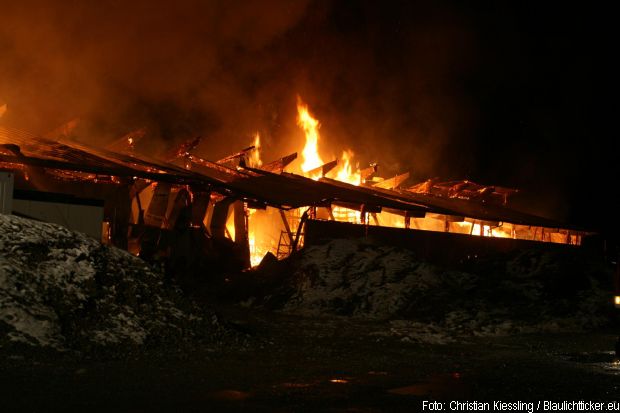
[(222, 206), (266, 229)]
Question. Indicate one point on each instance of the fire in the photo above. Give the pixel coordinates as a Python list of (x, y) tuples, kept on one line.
[(230, 228), (254, 259), (131, 143), (255, 256), (267, 234), (311, 160), (310, 126), (484, 230), (500, 233), (255, 161), (257, 250), (310, 154), (345, 173)]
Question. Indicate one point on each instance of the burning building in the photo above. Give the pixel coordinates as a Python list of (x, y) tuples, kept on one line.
[(239, 208)]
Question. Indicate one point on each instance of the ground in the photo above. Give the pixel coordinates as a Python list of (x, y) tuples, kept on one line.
[(319, 364), (349, 326)]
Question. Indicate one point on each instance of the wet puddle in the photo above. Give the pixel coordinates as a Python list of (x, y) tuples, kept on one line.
[(448, 385), (445, 385), (605, 360)]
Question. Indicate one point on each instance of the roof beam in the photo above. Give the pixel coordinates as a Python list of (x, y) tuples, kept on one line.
[(393, 182), (323, 169), (278, 165), (241, 154), (368, 172)]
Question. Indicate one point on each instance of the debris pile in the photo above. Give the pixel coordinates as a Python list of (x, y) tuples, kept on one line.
[(538, 290), (63, 290)]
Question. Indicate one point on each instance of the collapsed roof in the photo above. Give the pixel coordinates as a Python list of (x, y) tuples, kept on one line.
[(264, 187)]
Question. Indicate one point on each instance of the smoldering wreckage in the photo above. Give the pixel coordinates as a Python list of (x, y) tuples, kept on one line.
[(205, 219)]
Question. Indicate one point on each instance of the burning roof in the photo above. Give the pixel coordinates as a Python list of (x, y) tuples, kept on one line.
[(22, 149), (343, 192)]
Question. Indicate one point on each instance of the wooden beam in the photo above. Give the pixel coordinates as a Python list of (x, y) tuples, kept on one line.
[(393, 182), (241, 154), (241, 233), (278, 165), (403, 213), (323, 169), (127, 142), (111, 171), (200, 204), (368, 172), (63, 131), (287, 227), (156, 211), (423, 187), (219, 216), (182, 149), (357, 207), (375, 217)]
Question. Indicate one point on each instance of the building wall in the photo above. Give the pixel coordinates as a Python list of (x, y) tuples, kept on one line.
[(6, 192), (434, 246), (85, 216)]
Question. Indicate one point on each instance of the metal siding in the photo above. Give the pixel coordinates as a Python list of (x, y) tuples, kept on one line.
[(82, 218)]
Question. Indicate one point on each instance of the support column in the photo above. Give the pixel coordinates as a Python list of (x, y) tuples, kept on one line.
[(242, 239), (219, 218)]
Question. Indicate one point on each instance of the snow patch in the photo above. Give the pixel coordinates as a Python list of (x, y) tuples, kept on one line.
[(62, 289), (522, 292)]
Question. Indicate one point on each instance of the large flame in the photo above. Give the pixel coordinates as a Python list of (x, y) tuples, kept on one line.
[(311, 160), (310, 154), (266, 232), (310, 125), (345, 171), (254, 159)]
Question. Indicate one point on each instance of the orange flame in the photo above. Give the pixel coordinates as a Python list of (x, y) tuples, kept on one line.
[(484, 230), (311, 160), (255, 256), (345, 173), (310, 154), (310, 125), (255, 161)]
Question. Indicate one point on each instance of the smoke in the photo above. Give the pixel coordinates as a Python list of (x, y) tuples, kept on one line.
[(436, 89), (226, 69), (184, 68)]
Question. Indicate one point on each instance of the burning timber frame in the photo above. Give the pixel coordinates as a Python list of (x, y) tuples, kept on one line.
[(187, 207)]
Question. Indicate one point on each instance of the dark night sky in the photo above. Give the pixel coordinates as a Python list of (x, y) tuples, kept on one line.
[(509, 93)]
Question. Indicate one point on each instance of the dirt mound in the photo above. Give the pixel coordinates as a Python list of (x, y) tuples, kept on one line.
[(63, 290), (524, 291)]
